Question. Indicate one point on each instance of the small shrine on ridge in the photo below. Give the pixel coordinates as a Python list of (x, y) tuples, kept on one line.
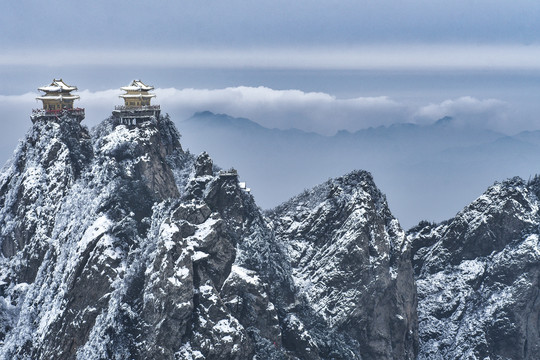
[(57, 101), (137, 108)]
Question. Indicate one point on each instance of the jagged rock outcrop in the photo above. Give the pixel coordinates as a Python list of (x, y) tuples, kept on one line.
[(203, 165), (117, 244), (350, 262), (32, 187), (91, 218), (478, 277)]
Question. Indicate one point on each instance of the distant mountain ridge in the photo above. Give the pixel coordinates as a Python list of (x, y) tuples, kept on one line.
[(427, 171)]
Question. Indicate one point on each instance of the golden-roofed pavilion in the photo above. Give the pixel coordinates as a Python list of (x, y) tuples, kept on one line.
[(58, 95), (57, 100), (137, 94), (136, 109)]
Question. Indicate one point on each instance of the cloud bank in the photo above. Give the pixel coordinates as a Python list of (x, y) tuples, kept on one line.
[(284, 109), (468, 111), (326, 114)]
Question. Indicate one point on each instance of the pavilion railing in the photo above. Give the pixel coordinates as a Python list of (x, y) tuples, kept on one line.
[(132, 107)]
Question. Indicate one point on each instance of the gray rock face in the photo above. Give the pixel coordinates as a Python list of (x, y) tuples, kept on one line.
[(477, 277), (203, 165), (116, 244), (33, 184), (350, 265), (92, 203)]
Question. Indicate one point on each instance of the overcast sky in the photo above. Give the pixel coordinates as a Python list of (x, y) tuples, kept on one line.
[(265, 33), (242, 23)]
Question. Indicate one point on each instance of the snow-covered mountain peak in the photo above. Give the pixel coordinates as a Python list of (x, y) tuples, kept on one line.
[(44, 167), (478, 277), (116, 243), (344, 246), (140, 153), (355, 189), (487, 225)]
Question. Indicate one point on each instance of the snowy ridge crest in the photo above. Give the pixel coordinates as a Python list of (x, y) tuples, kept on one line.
[(345, 247), (118, 244), (477, 277)]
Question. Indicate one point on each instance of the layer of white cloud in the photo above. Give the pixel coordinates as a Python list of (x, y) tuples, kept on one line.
[(309, 111), (468, 111)]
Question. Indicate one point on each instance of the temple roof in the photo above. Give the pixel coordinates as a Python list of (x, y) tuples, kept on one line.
[(137, 85), (58, 97), (137, 96), (57, 86)]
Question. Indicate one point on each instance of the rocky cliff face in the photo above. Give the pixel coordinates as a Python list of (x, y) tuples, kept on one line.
[(350, 263), (117, 244), (84, 206), (477, 277)]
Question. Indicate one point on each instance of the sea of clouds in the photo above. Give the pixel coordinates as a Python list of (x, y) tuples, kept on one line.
[(273, 108)]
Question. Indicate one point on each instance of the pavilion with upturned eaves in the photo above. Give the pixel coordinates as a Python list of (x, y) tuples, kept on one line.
[(57, 100), (137, 108), (137, 94)]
